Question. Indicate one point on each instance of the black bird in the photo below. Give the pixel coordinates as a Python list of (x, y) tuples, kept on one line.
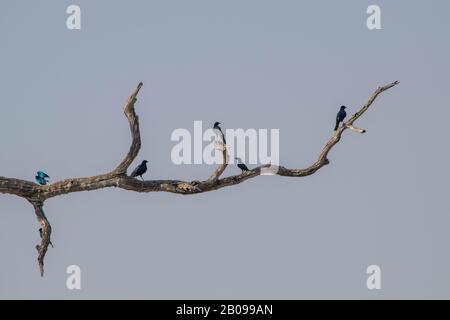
[(140, 170), (40, 233), (217, 127), (241, 165), (340, 117)]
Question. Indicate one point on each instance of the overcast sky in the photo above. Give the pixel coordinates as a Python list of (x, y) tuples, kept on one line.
[(284, 65)]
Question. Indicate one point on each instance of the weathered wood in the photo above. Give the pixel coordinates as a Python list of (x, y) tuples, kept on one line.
[(37, 194)]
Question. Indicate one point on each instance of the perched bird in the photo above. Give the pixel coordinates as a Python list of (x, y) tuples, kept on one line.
[(41, 178), (140, 170), (40, 233), (340, 117), (42, 174), (217, 128), (241, 165)]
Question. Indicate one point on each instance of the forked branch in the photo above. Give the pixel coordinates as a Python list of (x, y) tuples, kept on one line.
[(37, 194)]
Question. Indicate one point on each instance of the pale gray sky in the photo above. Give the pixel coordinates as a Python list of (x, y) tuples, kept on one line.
[(249, 64)]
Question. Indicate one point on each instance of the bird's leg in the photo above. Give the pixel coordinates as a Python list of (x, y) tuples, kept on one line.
[(142, 178)]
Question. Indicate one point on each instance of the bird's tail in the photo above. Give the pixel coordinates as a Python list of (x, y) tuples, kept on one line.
[(337, 126)]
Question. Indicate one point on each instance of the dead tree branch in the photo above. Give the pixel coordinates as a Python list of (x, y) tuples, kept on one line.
[(37, 194)]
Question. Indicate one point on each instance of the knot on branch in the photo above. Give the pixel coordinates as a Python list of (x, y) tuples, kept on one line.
[(188, 187)]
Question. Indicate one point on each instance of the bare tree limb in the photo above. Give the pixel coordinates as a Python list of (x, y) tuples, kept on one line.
[(135, 133), (37, 194), (218, 172), (356, 129), (46, 233)]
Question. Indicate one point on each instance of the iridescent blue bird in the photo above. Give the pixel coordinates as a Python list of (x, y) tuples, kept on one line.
[(41, 178)]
